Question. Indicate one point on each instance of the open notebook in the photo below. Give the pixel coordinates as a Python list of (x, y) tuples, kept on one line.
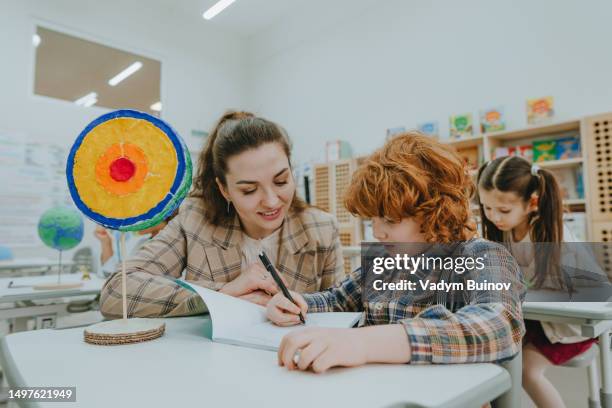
[(236, 321)]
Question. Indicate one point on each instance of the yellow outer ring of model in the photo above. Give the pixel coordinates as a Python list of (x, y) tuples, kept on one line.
[(151, 141)]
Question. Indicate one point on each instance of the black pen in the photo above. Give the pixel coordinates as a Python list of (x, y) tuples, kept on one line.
[(279, 282)]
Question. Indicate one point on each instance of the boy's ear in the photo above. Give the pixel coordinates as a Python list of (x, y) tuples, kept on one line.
[(222, 188), (532, 206)]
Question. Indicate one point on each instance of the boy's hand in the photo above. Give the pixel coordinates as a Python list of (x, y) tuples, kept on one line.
[(282, 312), (321, 348)]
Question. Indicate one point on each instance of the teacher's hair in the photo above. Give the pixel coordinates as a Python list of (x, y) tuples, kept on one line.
[(234, 133)]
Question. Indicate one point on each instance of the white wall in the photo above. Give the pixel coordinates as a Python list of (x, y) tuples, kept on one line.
[(203, 71), (346, 69), (400, 62)]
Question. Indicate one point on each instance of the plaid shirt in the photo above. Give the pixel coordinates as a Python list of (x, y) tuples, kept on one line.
[(474, 326), (309, 257)]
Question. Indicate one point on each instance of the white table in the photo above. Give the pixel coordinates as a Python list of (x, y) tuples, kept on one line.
[(595, 319), (184, 368), (38, 264), (23, 292)]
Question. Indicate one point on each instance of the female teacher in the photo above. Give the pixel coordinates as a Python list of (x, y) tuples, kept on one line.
[(244, 200)]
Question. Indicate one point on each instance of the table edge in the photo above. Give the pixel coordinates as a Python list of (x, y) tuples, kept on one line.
[(596, 315), (13, 376)]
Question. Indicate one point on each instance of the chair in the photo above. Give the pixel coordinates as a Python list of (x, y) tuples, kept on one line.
[(588, 359), (6, 254), (82, 258), (512, 397)]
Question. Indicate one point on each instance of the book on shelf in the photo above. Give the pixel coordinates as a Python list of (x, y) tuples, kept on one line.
[(540, 110), (524, 151), (566, 179), (568, 148), (368, 231), (431, 128), (461, 126), (544, 150), (561, 148), (576, 223), (492, 120), (579, 182)]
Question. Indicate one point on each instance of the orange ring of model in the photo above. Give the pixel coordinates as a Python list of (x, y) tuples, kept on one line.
[(122, 169)]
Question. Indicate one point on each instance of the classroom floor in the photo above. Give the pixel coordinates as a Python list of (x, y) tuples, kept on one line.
[(573, 385)]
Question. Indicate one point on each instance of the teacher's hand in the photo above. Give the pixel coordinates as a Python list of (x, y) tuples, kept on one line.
[(254, 278), (258, 297)]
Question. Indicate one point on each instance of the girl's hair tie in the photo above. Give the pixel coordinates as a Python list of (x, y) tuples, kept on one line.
[(534, 169)]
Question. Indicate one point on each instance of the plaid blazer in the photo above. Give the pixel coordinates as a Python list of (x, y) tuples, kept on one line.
[(309, 258)]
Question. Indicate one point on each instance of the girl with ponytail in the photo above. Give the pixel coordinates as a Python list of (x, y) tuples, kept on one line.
[(520, 204), (243, 201)]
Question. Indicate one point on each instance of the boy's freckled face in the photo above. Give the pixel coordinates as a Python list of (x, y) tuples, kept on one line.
[(505, 209)]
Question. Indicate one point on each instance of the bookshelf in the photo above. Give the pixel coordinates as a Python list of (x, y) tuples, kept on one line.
[(534, 131), (330, 183), (466, 143), (574, 201), (559, 164), (593, 207), (594, 164)]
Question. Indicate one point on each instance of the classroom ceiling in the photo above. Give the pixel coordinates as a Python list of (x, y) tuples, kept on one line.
[(244, 17), (247, 18), (69, 67), (61, 58)]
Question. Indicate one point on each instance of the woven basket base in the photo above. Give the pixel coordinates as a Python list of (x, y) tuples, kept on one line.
[(117, 332)]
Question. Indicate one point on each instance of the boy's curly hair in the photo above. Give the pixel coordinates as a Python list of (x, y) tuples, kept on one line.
[(415, 176)]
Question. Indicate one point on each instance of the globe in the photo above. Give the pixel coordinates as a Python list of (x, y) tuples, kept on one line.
[(61, 228)]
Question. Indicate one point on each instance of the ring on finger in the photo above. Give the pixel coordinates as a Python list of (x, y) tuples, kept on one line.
[(296, 357)]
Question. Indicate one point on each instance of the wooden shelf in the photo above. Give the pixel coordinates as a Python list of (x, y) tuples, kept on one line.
[(472, 141), (574, 201), (534, 131), (556, 164), (593, 130), (570, 202), (351, 250)]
